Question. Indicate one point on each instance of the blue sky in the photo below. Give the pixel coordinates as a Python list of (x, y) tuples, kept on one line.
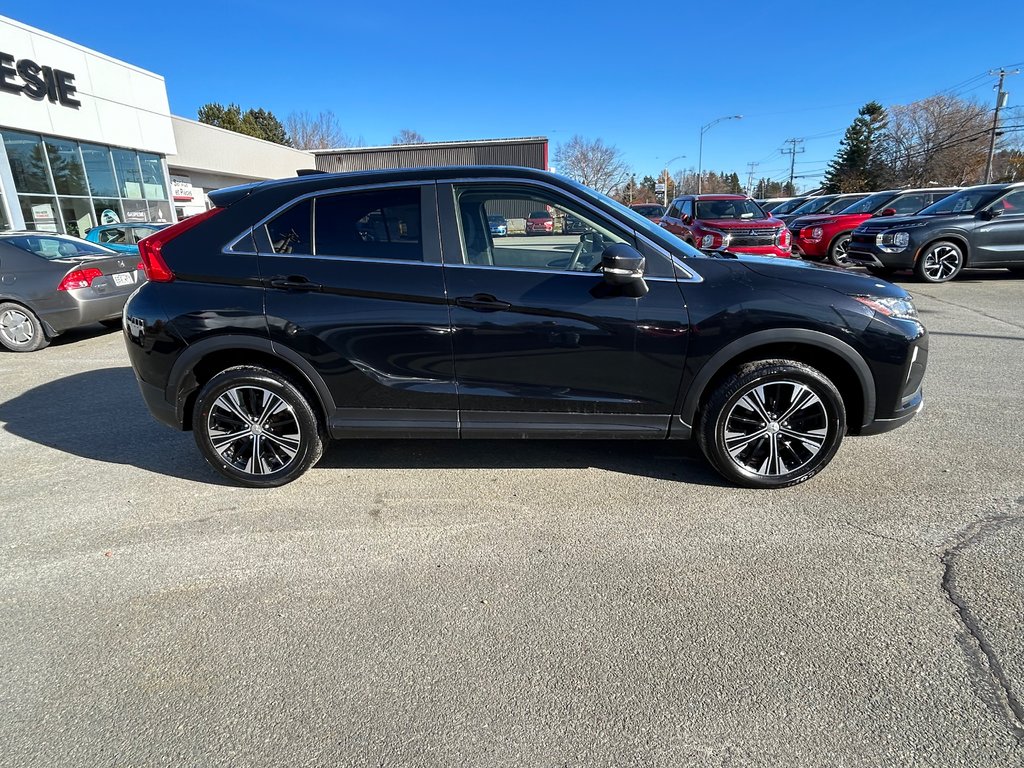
[(643, 77)]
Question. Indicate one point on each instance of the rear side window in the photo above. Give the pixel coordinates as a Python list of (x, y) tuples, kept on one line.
[(290, 232), (115, 235), (381, 224)]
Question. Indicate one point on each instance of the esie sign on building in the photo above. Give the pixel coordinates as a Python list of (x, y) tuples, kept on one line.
[(37, 82)]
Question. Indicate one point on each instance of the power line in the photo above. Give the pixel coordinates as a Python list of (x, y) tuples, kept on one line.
[(1000, 102)]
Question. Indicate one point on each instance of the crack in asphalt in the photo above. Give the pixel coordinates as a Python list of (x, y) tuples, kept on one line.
[(971, 309), (988, 664), (877, 535)]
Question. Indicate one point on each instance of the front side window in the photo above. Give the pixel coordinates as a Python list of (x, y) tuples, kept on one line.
[(871, 203), (380, 224), (687, 209), (115, 235), (555, 250), (1013, 202), (814, 205), (841, 204), (910, 203)]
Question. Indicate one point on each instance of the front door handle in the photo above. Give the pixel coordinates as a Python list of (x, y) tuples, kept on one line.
[(294, 283), (483, 302)]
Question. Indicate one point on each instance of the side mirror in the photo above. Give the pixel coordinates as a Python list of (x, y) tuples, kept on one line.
[(888, 212), (990, 213), (687, 219), (623, 265)]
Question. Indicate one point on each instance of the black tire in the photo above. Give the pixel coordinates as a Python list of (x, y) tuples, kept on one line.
[(837, 250), (114, 322), (883, 272), (788, 443), (236, 402), (20, 329), (940, 262)]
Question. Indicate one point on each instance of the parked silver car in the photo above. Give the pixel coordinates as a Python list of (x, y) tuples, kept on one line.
[(50, 283)]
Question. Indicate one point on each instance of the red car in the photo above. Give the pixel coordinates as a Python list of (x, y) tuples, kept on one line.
[(826, 237), (540, 222), (651, 211), (732, 222)]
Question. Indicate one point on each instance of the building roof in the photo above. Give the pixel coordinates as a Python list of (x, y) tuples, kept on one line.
[(432, 145)]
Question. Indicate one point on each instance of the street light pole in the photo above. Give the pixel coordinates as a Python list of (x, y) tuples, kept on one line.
[(700, 152), (664, 179)]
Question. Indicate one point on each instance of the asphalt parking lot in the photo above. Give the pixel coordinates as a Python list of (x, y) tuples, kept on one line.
[(508, 604)]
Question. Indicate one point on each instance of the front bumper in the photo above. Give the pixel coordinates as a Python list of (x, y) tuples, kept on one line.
[(871, 255), (763, 250), (901, 417)]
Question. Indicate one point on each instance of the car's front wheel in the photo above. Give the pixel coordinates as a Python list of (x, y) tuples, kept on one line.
[(837, 252), (256, 427), (20, 329), (940, 263), (772, 424)]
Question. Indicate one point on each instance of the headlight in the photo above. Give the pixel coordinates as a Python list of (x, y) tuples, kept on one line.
[(892, 241), (783, 239), (708, 241), (889, 306), (814, 233)]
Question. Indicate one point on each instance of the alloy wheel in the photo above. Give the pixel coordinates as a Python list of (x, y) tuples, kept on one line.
[(840, 255), (941, 263), (775, 429), (254, 430), (16, 327)]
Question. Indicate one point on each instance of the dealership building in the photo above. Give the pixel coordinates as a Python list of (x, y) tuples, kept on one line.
[(86, 139)]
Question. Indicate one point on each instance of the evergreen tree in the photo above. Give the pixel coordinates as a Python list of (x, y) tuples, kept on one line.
[(856, 166), (253, 122)]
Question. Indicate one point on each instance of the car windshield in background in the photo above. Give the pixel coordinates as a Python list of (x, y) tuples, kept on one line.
[(729, 209), (870, 203), (788, 206), (841, 204), (57, 247), (496, 219), (540, 215), (966, 201), (649, 210), (813, 205)]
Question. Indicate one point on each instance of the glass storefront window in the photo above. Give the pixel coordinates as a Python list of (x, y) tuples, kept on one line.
[(76, 213), (107, 211), (40, 213), (152, 177), (160, 212), (5, 223), (28, 163), (66, 167), (126, 163), (136, 210), (99, 170)]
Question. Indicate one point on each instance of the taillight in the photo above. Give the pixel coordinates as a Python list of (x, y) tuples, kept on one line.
[(150, 247), (79, 278)]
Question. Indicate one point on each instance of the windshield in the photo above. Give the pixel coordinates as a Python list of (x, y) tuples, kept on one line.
[(649, 210), (57, 247), (496, 219), (841, 204), (965, 201), (813, 205), (741, 208), (871, 203), (540, 215), (788, 206)]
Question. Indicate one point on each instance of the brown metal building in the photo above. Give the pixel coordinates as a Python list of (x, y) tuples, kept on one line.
[(530, 152)]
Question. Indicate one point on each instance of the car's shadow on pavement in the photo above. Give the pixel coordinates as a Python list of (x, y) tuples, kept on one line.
[(100, 415)]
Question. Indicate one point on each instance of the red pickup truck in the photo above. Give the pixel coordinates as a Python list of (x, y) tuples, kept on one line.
[(732, 222), (826, 237)]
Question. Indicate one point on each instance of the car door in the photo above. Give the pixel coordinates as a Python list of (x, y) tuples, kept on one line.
[(999, 241), (543, 346), (354, 286)]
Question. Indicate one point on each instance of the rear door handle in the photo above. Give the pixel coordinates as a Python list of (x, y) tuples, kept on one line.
[(483, 302), (294, 283)]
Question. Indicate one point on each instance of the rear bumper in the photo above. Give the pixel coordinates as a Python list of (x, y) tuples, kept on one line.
[(162, 410), (77, 310)]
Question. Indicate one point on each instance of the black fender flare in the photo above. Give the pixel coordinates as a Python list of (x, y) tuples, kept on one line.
[(181, 383), (803, 336)]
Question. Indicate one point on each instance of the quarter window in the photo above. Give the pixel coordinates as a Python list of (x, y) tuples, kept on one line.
[(1013, 202), (382, 224)]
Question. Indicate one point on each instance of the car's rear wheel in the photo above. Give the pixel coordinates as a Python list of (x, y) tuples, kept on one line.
[(940, 263), (838, 251), (20, 329), (772, 424), (256, 427)]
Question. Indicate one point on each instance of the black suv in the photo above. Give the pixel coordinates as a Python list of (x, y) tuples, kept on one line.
[(377, 304), (976, 227)]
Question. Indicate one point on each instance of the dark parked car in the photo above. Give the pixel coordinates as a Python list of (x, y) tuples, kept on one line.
[(976, 227), (788, 206), (123, 237), (269, 325), (50, 283)]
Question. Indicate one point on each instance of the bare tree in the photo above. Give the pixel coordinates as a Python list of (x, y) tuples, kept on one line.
[(408, 136), (597, 165), (319, 132), (941, 140)]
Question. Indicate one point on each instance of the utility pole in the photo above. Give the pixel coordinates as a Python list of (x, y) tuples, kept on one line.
[(793, 152), (751, 167), (1001, 97)]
